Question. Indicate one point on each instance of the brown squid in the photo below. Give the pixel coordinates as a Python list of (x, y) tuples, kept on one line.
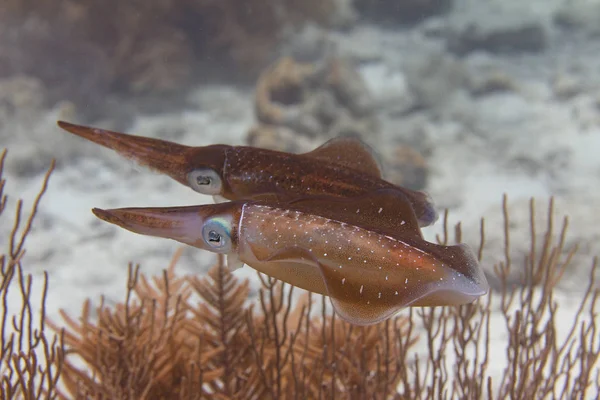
[(366, 253), (342, 167)]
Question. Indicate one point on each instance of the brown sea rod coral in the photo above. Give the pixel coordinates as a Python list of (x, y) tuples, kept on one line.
[(282, 347), (141, 349), (31, 357), (182, 337), (163, 343)]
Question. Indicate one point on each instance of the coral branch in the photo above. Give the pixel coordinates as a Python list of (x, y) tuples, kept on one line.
[(187, 337), (31, 358)]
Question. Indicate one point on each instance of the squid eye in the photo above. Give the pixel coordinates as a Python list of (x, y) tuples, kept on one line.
[(205, 181), (214, 237), (217, 235)]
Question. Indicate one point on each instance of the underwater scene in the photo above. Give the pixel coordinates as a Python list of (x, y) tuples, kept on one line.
[(299, 199)]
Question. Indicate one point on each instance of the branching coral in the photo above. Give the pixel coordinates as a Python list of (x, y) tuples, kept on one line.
[(201, 337), (539, 360), (163, 343), (140, 349), (31, 358), (281, 348)]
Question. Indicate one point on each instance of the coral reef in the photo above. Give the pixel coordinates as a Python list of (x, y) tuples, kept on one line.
[(327, 98), (435, 79), (279, 138), (323, 12), (404, 11), (189, 337), (300, 105), (582, 15), (142, 46), (514, 28)]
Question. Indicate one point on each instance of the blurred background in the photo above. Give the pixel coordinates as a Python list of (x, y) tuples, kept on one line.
[(465, 99)]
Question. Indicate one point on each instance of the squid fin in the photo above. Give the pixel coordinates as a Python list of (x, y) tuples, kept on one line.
[(387, 211), (350, 153)]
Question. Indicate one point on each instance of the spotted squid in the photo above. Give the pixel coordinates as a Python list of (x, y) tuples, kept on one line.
[(366, 253), (342, 167)]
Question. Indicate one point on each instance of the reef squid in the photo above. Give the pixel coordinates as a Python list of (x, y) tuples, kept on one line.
[(366, 253), (342, 167)]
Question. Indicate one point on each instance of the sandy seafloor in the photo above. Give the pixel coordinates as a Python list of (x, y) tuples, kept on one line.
[(541, 138)]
